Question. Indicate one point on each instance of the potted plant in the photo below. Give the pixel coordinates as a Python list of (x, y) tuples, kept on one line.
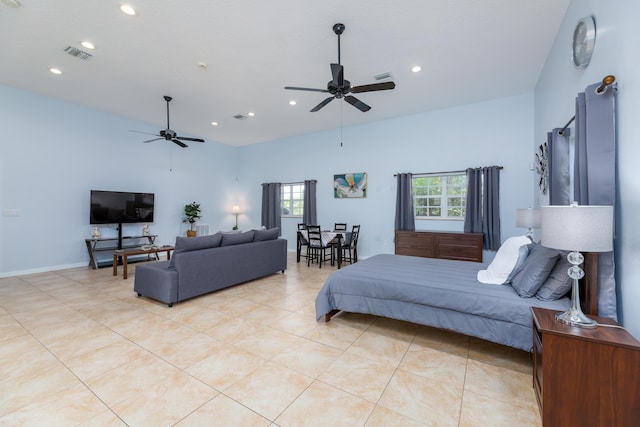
[(191, 215)]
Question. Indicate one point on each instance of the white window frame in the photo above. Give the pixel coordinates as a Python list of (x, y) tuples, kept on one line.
[(444, 197), (290, 197)]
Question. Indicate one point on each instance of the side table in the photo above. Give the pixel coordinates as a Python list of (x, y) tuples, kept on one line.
[(585, 377)]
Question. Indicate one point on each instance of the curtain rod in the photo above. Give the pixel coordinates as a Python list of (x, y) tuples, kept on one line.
[(442, 173), (606, 82)]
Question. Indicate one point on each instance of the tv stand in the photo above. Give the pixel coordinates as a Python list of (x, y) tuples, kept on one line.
[(110, 244)]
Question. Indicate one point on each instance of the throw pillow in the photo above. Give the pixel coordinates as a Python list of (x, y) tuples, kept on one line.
[(262, 235), (229, 239), (558, 283), (186, 244), (504, 262), (535, 271)]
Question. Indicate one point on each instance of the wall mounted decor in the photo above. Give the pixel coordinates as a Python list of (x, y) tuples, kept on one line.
[(542, 167), (350, 185)]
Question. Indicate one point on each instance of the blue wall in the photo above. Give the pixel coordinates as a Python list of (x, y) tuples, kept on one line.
[(616, 52), (54, 152)]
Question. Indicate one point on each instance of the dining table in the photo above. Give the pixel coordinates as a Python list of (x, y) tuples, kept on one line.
[(332, 238)]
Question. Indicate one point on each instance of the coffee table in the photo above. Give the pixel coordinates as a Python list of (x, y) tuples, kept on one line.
[(126, 253)]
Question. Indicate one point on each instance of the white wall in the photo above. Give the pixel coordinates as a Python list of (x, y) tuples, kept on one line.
[(497, 132), (53, 153), (616, 53)]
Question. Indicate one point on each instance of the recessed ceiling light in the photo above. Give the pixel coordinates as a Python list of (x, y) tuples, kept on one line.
[(292, 102), (251, 114), (203, 65), (129, 10), (214, 123), (55, 71), (416, 69), (88, 45)]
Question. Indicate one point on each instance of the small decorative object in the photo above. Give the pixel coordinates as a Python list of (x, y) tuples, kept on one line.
[(95, 234), (542, 168), (145, 230), (191, 215), (350, 185), (236, 210)]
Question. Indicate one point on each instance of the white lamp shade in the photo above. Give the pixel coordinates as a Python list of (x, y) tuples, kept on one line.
[(528, 218), (578, 228), (235, 209)]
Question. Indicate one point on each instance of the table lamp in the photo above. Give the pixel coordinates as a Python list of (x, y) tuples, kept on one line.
[(236, 210), (529, 219), (577, 228)]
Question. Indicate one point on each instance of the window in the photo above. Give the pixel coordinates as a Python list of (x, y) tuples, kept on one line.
[(292, 199), (441, 196)]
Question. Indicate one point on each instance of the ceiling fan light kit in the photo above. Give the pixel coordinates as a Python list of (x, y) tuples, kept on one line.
[(339, 87)]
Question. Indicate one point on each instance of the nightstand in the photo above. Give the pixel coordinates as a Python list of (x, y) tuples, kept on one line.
[(585, 377)]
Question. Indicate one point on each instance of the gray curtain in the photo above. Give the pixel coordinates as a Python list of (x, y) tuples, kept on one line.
[(405, 219), (595, 175), (309, 213), (559, 162), (271, 211), (483, 205)]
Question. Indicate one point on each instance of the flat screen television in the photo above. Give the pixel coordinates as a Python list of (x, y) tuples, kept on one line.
[(119, 207)]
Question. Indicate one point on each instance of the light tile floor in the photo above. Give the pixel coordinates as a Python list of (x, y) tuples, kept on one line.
[(78, 347)]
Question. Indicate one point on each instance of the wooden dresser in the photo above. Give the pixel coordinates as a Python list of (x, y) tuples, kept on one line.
[(585, 377), (440, 244)]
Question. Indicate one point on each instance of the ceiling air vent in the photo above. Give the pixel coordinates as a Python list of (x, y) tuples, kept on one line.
[(78, 53), (240, 117), (382, 76)]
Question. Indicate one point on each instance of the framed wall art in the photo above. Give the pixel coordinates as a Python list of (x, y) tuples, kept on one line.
[(350, 185)]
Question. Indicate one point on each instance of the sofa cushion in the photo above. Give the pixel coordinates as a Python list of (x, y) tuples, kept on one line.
[(229, 239), (262, 235), (186, 244)]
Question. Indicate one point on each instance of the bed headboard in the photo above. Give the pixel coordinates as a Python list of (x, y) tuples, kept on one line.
[(589, 284)]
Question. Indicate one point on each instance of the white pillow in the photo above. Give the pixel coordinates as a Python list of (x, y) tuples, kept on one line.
[(504, 262)]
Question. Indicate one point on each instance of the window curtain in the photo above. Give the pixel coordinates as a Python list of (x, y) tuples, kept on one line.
[(271, 212), (483, 205), (559, 162), (595, 174), (309, 212), (405, 219)]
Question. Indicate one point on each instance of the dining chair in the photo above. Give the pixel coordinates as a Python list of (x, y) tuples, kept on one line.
[(350, 248), (340, 226), (316, 250), (301, 242)]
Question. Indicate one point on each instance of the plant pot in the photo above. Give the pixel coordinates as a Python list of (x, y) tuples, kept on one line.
[(191, 233)]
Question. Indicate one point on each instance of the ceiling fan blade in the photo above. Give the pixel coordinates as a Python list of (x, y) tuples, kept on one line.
[(151, 140), (146, 133), (357, 103), (306, 88), (190, 139), (337, 71), (322, 104), (373, 87), (180, 143)]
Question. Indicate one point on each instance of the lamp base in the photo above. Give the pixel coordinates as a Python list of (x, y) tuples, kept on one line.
[(573, 317)]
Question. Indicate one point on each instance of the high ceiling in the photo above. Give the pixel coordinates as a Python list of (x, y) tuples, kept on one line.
[(469, 51)]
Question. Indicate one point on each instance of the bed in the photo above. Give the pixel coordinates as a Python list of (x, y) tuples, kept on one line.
[(439, 293)]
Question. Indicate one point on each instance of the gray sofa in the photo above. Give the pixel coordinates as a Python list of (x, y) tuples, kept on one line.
[(200, 265)]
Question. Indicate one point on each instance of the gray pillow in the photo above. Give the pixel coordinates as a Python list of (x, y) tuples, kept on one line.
[(187, 244), (535, 271), (229, 239), (262, 235), (558, 283), (523, 253)]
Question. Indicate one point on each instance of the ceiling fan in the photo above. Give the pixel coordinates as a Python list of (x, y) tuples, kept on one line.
[(339, 88), (169, 134)]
